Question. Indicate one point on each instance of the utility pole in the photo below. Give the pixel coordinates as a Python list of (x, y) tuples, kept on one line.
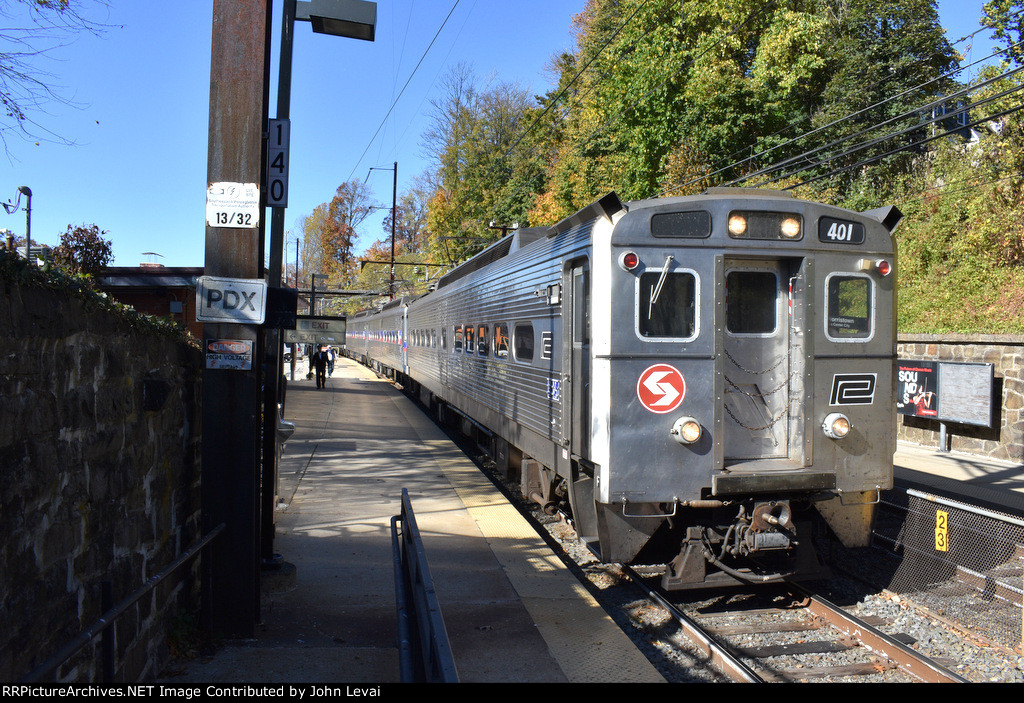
[(394, 216), (239, 88)]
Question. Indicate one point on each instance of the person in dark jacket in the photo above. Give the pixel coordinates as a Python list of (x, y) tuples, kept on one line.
[(320, 364)]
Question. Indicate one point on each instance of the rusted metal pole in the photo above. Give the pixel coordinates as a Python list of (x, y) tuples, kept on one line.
[(239, 90)]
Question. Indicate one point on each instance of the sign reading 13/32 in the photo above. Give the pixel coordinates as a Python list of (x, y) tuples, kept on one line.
[(233, 205)]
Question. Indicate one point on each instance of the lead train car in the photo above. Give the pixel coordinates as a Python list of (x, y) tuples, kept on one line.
[(701, 378)]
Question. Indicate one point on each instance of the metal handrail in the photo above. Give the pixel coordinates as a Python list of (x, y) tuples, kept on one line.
[(107, 619), (424, 652)]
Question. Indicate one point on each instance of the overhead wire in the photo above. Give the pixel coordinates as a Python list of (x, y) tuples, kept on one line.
[(834, 123), (879, 157), (408, 80), (915, 111)]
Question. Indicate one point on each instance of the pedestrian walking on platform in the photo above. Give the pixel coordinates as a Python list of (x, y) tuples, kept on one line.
[(331, 354), (320, 365)]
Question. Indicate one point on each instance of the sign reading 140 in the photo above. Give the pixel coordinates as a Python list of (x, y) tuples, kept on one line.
[(278, 136)]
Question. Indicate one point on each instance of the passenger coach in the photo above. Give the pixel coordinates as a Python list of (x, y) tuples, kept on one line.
[(708, 375)]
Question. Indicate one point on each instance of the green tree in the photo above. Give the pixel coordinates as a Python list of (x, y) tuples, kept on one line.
[(312, 254), (1006, 19), (83, 250), (663, 96), (487, 166)]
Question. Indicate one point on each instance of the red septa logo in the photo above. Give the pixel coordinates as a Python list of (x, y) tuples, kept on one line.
[(661, 388)]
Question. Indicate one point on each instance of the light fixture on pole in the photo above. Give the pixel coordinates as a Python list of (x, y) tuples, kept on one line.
[(27, 192), (355, 19)]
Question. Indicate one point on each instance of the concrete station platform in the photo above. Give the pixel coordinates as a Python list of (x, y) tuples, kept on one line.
[(513, 611), (996, 485)]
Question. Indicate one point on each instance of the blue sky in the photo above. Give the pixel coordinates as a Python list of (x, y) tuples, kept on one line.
[(141, 109)]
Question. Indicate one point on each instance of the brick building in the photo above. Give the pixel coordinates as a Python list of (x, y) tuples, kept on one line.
[(163, 291)]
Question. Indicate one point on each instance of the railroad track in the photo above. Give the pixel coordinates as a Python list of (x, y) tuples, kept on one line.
[(819, 628)]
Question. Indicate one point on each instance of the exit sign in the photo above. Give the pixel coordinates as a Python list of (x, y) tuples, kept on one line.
[(317, 330)]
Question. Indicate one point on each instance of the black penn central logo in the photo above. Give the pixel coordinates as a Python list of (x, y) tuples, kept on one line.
[(853, 389)]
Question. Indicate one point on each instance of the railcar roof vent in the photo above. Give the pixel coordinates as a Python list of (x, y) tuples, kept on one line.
[(760, 192), (526, 236), (494, 252), (889, 216), (607, 206)]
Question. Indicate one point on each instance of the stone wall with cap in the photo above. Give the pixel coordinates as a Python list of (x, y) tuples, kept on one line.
[(99, 477)]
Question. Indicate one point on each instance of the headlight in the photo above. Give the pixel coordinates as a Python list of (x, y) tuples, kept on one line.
[(790, 228), (686, 430), (836, 426)]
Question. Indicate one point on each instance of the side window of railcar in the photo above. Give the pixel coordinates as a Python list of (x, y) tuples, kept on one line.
[(667, 305), (470, 332), (482, 345), (751, 306), (501, 341), (522, 342), (849, 314), (457, 345)]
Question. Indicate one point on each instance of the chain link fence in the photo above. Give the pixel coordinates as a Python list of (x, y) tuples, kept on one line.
[(962, 563)]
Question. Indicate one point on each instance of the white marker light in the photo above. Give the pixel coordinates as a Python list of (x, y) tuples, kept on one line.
[(836, 426)]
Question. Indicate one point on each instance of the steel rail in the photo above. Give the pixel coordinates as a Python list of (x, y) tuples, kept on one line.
[(720, 656), (914, 663)]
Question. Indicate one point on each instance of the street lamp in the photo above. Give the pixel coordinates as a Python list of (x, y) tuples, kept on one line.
[(27, 192), (356, 19)]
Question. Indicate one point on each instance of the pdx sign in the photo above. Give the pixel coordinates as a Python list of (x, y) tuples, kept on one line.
[(239, 300)]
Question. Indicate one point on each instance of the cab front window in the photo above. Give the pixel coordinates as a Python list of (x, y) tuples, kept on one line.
[(666, 305), (849, 307)]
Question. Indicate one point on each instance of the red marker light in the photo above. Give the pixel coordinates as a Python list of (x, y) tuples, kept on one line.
[(629, 261), (883, 267)]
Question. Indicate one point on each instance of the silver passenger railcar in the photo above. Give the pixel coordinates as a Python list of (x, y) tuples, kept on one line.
[(700, 380)]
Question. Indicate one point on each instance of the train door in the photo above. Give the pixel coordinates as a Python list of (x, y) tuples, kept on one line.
[(757, 364), (576, 330)]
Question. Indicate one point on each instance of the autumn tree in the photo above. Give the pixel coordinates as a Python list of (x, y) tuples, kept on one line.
[(487, 165), (348, 208), (410, 220), (83, 250), (311, 253)]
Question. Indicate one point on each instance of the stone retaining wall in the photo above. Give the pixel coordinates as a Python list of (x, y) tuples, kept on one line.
[(99, 479), (1004, 441)]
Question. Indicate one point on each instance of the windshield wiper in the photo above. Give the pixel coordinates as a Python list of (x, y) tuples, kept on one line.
[(661, 284)]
